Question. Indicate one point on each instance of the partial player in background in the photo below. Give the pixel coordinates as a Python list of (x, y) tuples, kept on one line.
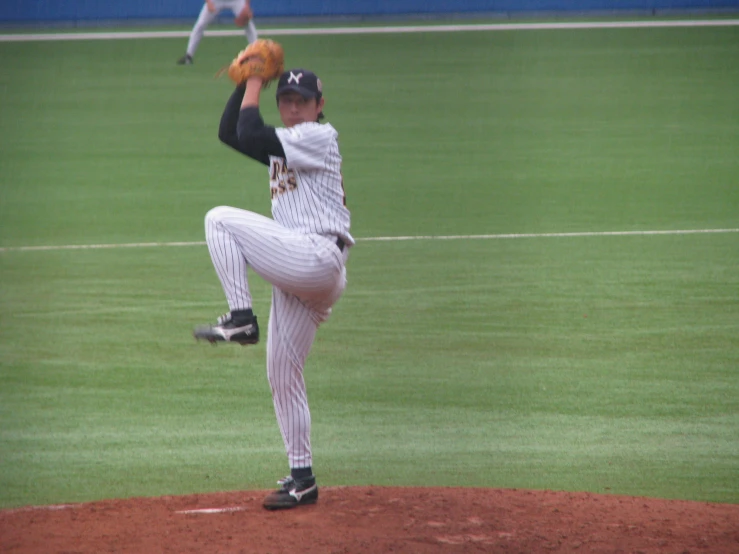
[(302, 251), (243, 17)]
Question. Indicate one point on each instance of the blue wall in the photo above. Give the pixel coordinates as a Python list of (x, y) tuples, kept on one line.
[(90, 10)]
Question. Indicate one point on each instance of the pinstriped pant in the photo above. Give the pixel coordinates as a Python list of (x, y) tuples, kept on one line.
[(308, 275)]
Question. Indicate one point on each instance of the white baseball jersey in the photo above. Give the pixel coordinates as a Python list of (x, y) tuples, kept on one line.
[(307, 187)]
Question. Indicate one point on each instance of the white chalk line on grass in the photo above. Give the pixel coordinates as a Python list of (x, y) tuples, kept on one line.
[(552, 235), (125, 35), (386, 239), (99, 246)]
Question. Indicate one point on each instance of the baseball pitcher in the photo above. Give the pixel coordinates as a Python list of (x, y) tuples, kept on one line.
[(302, 250)]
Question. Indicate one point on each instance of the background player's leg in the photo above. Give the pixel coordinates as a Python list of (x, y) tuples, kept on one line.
[(238, 9), (251, 31), (292, 329), (204, 19)]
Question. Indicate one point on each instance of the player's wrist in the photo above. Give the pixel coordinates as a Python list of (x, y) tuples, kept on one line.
[(251, 93)]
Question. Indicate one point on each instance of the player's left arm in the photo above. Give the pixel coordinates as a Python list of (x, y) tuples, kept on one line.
[(243, 129), (254, 138), (227, 132)]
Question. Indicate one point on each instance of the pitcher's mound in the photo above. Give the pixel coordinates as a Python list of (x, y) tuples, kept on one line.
[(377, 520)]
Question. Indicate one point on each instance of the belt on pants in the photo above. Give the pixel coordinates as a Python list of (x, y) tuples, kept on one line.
[(340, 243)]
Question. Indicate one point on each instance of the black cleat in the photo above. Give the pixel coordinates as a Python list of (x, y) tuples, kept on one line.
[(231, 327), (292, 493), (185, 60)]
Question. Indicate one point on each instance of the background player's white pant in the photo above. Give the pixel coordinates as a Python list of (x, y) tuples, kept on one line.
[(206, 18), (308, 275)]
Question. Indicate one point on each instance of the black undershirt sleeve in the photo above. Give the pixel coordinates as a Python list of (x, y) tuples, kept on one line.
[(245, 131)]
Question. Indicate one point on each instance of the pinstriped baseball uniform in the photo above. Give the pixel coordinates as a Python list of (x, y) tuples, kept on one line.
[(302, 252)]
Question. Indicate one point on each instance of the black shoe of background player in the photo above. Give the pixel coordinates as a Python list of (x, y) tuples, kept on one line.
[(238, 326), (185, 60)]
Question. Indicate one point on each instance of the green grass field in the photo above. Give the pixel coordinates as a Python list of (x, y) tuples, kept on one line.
[(603, 363)]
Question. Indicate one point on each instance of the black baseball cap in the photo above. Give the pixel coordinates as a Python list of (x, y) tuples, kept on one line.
[(304, 82)]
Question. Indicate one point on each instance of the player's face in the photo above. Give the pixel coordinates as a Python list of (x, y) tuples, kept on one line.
[(294, 109)]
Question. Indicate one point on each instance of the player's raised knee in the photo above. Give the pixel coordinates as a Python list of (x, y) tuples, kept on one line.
[(216, 214)]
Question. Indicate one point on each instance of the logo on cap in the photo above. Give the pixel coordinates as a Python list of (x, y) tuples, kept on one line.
[(294, 78)]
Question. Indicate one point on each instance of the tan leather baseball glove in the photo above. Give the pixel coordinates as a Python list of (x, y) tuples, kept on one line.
[(262, 58)]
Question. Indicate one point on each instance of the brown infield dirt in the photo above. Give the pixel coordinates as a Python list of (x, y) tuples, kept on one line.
[(378, 520)]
